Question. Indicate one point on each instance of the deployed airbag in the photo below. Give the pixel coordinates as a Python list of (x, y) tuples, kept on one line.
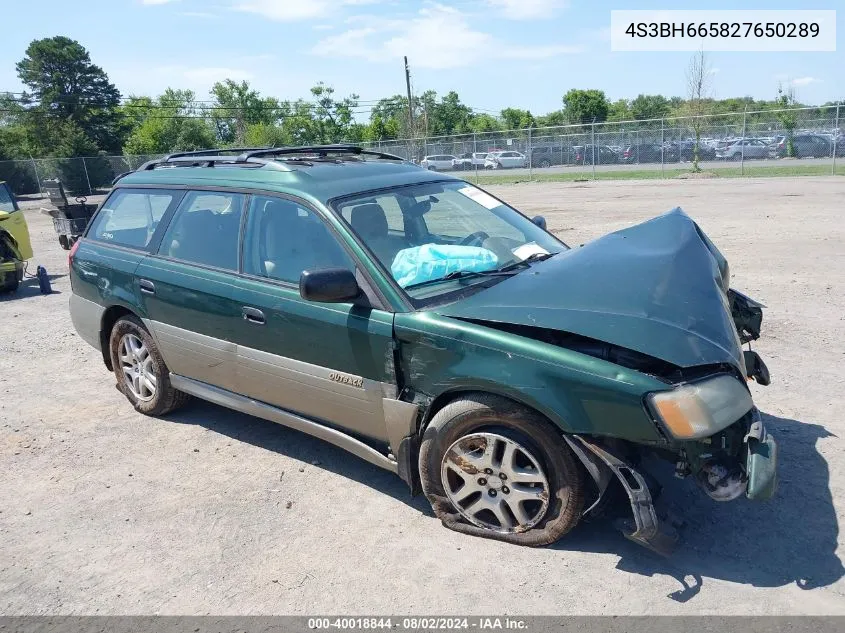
[(434, 261)]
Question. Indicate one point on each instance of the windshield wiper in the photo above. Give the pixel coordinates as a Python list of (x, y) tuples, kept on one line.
[(535, 257), (464, 274)]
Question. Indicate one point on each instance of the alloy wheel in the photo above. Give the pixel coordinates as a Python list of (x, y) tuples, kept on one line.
[(137, 366), (495, 482)]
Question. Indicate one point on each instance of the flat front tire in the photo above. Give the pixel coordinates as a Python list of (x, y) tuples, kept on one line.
[(493, 468), (139, 368)]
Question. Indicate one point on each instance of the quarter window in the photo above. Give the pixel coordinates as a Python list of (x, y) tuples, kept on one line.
[(130, 217), (284, 238), (206, 229)]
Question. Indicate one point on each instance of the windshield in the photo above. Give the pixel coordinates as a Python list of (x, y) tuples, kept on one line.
[(436, 238)]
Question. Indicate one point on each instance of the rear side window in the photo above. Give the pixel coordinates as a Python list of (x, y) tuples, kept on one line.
[(130, 216), (206, 229)]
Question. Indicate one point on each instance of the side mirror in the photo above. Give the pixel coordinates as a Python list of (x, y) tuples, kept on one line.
[(4, 215), (540, 221), (329, 285)]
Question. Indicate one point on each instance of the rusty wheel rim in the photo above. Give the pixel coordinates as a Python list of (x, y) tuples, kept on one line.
[(495, 482)]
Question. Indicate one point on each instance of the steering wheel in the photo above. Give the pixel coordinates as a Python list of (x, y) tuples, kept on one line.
[(478, 236)]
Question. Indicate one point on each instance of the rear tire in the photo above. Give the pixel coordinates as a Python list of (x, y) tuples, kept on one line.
[(139, 368), (530, 493)]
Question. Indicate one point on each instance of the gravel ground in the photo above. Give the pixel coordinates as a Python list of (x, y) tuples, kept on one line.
[(104, 511)]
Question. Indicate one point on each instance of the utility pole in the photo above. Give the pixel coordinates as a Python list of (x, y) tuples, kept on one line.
[(410, 105)]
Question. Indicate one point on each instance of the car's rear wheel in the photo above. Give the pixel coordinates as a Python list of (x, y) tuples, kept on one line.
[(141, 373), (491, 467), (545, 163)]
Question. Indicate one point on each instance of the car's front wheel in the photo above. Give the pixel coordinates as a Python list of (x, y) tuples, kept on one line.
[(139, 368), (491, 467)]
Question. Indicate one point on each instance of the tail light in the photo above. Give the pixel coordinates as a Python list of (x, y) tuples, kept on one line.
[(780, 145), (626, 153), (72, 252)]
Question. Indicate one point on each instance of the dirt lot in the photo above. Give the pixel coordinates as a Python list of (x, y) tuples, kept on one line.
[(105, 511)]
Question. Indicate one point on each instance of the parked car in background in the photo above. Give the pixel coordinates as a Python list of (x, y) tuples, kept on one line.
[(644, 153), (805, 146), (469, 160), (549, 155), (438, 162), (504, 160), (685, 151), (744, 148), (604, 155)]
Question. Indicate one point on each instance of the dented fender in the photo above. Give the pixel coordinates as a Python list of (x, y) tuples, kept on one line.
[(582, 394)]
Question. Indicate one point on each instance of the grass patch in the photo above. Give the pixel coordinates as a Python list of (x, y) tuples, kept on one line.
[(656, 174)]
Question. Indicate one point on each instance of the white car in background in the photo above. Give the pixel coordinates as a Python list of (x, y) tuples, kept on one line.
[(438, 162), (469, 160), (504, 160)]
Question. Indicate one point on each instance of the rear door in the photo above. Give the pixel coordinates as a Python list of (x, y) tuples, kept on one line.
[(121, 234), (188, 287), (332, 362)]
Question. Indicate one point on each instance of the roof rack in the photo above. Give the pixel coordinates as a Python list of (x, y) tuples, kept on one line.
[(322, 151), (254, 156)]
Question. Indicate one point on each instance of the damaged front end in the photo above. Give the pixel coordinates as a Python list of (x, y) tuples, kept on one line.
[(740, 459)]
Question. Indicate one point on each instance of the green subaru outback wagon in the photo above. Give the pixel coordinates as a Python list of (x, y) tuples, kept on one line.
[(424, 325)]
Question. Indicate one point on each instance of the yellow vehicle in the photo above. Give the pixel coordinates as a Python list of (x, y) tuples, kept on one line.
[(15, 245)]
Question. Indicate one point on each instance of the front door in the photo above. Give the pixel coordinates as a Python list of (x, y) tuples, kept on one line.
[(332, 362)]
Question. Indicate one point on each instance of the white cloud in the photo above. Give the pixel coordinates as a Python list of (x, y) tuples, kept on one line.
[(437, 37), (527, 9), (804, 81), (295, 10), (150, 2)]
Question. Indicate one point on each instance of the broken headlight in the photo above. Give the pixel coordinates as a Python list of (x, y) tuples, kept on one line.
[(700, 409)]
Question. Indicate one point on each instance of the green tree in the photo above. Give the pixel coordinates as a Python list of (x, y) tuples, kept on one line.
[(485, 123), (237, 106), (649, 107), (698, 105), (585, 106), (556, 117), (619, 110), (332, 119), (516, 119), (171, 123), (64, 83), (787, 116)]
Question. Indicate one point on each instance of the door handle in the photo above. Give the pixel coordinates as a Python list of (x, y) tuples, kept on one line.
[(253, 315), (147, 287)]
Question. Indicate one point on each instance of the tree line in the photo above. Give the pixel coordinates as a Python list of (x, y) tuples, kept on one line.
[(70, 108)]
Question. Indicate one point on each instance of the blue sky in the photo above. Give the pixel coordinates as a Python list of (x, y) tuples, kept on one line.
[(494, 53)]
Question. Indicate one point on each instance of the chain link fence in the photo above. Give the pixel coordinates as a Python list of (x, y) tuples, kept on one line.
[(799, 141), (769, 138)]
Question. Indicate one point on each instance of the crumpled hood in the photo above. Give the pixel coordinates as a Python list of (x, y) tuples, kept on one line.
[(656, 288)]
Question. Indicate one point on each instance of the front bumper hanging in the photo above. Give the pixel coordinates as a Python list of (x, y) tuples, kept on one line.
[(645, 528)]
